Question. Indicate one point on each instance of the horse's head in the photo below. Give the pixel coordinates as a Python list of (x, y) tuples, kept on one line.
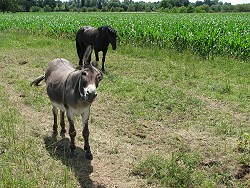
[(112, 37)]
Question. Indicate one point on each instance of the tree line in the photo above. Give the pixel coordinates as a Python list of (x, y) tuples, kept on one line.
[(171, 6)]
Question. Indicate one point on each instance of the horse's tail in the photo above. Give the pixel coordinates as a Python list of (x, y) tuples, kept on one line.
[(78, 46), (37, 80)]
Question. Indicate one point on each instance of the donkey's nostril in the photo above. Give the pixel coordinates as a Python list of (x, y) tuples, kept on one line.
[(90, 93)]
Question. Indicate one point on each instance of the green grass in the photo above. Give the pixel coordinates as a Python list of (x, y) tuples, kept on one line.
[(208, 35), (174, 111), (179, 170)]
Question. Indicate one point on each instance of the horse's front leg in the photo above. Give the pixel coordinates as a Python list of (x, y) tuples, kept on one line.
[(72, 131), (103, 59), (85, 133)]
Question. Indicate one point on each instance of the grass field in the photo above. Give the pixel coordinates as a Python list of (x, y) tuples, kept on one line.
[(161, 119), (208, 35)]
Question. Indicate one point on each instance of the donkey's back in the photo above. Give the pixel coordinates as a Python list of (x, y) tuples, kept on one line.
[(55, 77), (60, 68)]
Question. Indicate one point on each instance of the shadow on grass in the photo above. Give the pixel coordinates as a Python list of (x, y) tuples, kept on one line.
[(59, 149)]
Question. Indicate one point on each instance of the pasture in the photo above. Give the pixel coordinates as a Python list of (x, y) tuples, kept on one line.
[(161, 119), (207, 35)]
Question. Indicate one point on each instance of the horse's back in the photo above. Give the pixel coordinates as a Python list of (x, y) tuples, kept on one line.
[(86, 35)]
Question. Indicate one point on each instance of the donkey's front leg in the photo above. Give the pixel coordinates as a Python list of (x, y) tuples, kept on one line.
[(55, 113), (62, 123), (72, 131), (85, 133)]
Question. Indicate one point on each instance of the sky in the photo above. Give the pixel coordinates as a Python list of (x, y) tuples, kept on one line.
[(233, 2)]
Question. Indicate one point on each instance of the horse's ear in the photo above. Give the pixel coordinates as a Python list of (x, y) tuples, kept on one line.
[(111, 31), (87, 54), (100, 29), (108, 29)]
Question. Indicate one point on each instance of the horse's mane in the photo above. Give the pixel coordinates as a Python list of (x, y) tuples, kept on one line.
[(107, 27)]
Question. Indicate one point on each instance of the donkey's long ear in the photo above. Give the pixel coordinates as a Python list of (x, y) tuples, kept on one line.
[(87, 54)]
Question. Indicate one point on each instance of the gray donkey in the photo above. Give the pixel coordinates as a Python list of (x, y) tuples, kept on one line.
[(72, 91)]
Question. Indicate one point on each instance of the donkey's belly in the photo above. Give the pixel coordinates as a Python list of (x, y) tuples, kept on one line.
[(79, 110), (59, 106)]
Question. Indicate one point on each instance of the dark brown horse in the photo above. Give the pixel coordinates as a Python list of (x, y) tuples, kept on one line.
[(99, 39)]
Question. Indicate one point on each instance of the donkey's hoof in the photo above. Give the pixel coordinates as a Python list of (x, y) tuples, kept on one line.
[(72, 154), (89, 155), (54, 134), (62, 133)]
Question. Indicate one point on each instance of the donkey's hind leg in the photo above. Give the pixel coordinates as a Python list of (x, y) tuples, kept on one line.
[(62, 124)]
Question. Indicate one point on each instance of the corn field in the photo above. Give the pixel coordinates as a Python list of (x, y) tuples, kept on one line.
[(208, 35)]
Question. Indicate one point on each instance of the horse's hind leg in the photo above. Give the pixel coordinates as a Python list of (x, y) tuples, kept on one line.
[(80, 52)]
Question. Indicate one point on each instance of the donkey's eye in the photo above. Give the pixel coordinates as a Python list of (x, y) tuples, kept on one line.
[(99, 77)]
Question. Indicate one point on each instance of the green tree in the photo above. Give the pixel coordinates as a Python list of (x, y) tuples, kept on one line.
[(166, 4), (190, 8), (5, 5), (47, 8), (9, 5), (51, 3), (114, 3)]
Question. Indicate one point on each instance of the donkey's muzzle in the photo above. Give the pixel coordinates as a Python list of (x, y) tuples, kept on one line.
[(90, 96)]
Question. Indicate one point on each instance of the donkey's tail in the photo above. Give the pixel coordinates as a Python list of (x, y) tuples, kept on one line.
[(37, 80)]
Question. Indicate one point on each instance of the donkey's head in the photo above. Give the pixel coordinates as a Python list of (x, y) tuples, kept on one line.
[(88, 82), (89, 79), (111, 37)]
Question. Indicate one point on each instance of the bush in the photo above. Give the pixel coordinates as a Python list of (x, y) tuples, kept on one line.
[(84, 9), (35, 9), (92, 9), (47, 8)]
